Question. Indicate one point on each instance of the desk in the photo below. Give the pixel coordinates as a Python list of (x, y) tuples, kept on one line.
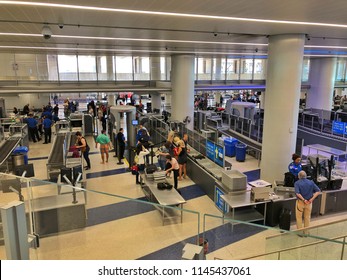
[(162, 197), (242, 208)]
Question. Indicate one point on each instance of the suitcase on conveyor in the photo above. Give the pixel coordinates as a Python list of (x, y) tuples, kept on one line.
[(284, 219)]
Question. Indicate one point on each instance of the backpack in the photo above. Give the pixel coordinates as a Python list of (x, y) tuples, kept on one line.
[(134, 169)]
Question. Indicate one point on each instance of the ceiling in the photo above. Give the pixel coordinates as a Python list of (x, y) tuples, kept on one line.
[(202, 27)]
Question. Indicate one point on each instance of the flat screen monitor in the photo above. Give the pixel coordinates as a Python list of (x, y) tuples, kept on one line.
[(135, 122), (20, 169)]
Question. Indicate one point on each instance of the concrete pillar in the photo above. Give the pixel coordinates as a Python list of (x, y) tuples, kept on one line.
[(156, 100), (155, 76), (182, 80), (281, 108), (322, 81), (109, 65)]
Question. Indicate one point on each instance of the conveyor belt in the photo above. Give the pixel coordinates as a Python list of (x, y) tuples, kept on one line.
[(56, 156), (7, 148)]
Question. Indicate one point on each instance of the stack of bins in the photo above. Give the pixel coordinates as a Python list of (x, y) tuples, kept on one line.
[(230, 146)]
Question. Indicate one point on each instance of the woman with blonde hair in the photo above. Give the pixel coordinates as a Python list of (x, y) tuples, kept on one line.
[(182, 159)]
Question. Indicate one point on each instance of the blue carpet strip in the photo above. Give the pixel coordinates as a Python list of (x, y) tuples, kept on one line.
[(218, 237), (126, 209)]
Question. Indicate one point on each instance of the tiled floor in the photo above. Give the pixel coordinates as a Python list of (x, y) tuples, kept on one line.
[(119, 228)]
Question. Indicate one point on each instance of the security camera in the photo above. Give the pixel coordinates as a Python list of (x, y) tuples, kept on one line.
[(46, 32), (61, 25), (215, 34)]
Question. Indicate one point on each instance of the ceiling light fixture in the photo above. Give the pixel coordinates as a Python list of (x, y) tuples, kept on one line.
[(53, 5)]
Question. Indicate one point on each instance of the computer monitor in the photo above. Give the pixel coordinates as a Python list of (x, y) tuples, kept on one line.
[(27, 168), (135, 122)]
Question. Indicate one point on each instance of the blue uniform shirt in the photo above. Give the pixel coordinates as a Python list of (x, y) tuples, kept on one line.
[(306, 188), (47, 123), (294, 168), (31, 122)]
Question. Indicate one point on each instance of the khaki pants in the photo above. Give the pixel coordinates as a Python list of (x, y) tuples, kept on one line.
[(303, 210)]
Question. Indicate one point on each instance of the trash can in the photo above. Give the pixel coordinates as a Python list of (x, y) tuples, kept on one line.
[(241, 152), (229, 144), (17, 159), (21, 150)]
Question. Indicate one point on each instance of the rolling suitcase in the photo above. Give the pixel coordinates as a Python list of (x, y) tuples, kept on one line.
[(284, 219)]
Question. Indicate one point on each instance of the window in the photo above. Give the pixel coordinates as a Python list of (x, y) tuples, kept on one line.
[(305, 70), (204, 68), (105, 68), (232, 69), (124, 68), (246, 69), (67, 65), (259, 69), (87, 67), (141, 68), (218, 72)]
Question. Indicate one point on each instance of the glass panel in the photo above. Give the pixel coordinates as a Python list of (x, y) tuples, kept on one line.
[(230, 239), (105, 68), (52, 66), (72, 229), (42, 66), (124, 68), (232, 69), (8, 66), (246, 69), (260, 69), (204, 68), (305, 70), (141, 68), (67, 65), (26, 66), (218, 69), (340, 69), (87, 67), (163, 68)]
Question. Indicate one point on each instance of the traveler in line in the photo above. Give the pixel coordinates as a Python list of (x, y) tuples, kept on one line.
[(81, 143), (121, 145), (141, 152), (175, 168), (306, 191), (105, 145), (182, 159)]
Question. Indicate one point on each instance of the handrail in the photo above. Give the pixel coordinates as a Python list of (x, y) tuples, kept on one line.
[(301, 246)]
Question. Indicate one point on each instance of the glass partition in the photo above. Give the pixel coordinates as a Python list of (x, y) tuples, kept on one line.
[(230, 239), (81, 223)]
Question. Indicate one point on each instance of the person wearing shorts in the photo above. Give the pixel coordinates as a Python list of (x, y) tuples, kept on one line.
[(105, 143)]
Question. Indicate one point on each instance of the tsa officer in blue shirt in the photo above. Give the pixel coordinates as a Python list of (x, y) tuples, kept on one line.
[(295, 167), (32, 126), (47, 127)]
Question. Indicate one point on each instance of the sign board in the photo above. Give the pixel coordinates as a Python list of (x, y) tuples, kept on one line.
[(339, 127), (218, 192), (215, 153)]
